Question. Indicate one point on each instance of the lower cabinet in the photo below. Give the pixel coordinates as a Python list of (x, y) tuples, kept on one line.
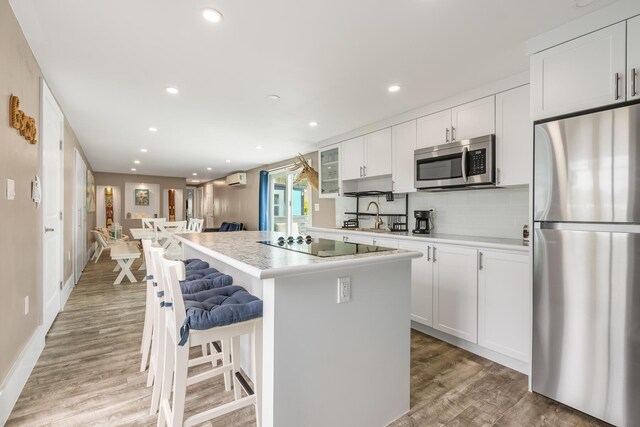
[(455, 291), (504, 303), (421, 283)]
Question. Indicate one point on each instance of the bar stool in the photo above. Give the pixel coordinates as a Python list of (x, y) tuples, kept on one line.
[(213, 315)]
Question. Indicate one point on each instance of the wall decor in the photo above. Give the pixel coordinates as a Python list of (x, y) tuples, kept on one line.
[(141, 197), (308, 173), (172, 205), (26, 125), (91, 192), (108, 205)]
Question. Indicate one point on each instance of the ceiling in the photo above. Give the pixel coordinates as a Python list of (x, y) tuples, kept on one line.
[(330, 61)]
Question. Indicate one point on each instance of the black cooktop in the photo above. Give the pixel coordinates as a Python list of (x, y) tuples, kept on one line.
[(322, 247)]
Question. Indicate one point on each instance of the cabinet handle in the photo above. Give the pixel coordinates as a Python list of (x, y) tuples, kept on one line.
[(49, 230), (498, 172), (428, 253), (453, 134), (360, 171), (617, 81), (446, 135), (480, 260), (634, 72), (434, 254), (345, 239), (374, 242), (364, 168)]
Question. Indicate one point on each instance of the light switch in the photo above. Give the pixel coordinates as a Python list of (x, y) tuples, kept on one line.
[(11, 189), (344, 289), (316, 207)]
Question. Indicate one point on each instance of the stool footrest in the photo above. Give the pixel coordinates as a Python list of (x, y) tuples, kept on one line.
[(245, 385), (219, 411), (208, 374), (204, 359)]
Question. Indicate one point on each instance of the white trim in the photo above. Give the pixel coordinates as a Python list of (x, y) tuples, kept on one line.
[(19, 374), (65, 292), (507, 361)]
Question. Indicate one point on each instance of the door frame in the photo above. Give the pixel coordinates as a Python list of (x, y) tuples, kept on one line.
[(79, 202), (47, 96)]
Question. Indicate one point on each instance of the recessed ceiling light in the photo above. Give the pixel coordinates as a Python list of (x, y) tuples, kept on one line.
[(133, 169), (208, 169), (274, 97), (393, 88), (137, 162), (212, 15), (172, 90), (143, 150), (313, 124), (584, 3), (195, 180), (194, 174), (228, 161), (259, 147), (152, 129)]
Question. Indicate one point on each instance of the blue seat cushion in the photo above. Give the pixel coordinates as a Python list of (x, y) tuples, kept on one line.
[(218, 307), (199, 274), (211, 281), (195, 264)]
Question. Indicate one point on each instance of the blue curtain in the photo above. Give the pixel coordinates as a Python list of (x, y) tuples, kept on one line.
[(263, 202)]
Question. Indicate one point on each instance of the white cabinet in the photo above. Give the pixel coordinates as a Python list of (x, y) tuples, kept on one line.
[(367, 156), (504, 303), (514, 137), (403, 144), (352, 158), (470, 120), (473, 119), (455, 285), (421, 283), (587, 72), (633, 58), (434, 129), (329, 171), (377, 146)]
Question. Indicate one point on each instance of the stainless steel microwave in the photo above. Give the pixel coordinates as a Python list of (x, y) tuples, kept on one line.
[(460, 164)]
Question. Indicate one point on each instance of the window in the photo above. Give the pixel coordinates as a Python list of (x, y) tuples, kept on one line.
[(289, 202)]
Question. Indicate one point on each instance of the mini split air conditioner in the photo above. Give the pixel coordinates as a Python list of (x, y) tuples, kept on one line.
[(237, 179)]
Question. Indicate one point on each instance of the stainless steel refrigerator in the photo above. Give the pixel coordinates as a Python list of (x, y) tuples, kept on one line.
[(586, 302)]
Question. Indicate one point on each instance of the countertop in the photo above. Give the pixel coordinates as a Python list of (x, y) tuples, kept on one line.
[(486, 242), (241, 250)]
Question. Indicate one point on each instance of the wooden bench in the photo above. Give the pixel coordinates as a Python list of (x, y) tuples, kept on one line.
[(124, 255)]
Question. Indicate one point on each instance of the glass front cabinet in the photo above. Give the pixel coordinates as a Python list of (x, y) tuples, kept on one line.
[(329, 173)]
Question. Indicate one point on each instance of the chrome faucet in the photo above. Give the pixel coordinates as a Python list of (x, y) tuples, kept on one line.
[(379, 221)]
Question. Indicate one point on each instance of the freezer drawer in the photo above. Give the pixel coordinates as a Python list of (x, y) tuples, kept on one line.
[(586, 337), (587, 168)]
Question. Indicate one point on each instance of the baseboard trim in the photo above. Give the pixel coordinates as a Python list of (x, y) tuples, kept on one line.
[(509, 362), (19, 374), (65, 292)]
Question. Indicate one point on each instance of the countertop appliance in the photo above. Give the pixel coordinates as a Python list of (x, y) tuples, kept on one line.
[(322, 247), (461, 164), (586, 280), (424, 222)]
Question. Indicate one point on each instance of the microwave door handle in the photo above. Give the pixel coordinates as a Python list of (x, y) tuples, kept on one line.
[(464, 164)]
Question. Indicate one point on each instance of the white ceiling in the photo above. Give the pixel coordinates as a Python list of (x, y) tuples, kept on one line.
[(330, 61)]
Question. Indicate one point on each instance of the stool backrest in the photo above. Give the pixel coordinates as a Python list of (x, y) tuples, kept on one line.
[(151, 222), (146, 246), (100, 239), (195, 225), (173, 293)]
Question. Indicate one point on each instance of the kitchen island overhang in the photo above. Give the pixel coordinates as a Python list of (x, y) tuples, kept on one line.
[(324, 362)]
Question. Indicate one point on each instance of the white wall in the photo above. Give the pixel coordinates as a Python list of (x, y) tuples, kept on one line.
[(101, 216), (497, 212), (146, 211)]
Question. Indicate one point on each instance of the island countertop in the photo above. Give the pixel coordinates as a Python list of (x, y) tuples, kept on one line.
[(241, 250)]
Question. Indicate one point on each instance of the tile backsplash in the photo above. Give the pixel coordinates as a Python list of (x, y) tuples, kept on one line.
[(496, 212)]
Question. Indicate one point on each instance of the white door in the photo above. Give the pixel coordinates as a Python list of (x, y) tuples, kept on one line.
[(199, 198), (352, 158), (80, 223), (473, 119), (208, 205), (633, 58), (434, 129), (377, 148), (504, 303), (514, 137), (52, 184), (455, 282), (421, 283), (584, 73), (404, 137)]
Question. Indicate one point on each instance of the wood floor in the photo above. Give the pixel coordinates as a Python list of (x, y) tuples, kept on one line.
[(88, 374)]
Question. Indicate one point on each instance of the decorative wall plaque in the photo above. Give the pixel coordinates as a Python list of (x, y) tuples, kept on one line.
[(19, 120)]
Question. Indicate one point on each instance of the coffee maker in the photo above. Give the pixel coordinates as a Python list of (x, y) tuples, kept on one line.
[(424, 222)]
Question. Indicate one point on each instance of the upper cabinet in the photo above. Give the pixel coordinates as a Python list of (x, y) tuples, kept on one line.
[(514, 137), (465, 121), (633, 58), (584, 73), (329, 171), (403, 143), (367, 156)]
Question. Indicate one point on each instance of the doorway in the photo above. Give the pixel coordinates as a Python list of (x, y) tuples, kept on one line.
[(52, 140), (290, 202), (80, 217)]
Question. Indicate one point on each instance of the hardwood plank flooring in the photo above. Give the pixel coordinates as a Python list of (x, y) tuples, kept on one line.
[(88, 374)]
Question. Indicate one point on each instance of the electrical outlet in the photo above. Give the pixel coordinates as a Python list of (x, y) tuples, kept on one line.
[(26, 305), (11, 189), (317, 207), (344, 289)]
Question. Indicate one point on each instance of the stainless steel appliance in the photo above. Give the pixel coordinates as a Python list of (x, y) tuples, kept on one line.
[(424, 222), (322, 247), (461, 164), (586, 280)]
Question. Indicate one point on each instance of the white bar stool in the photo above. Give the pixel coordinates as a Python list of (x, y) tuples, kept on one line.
[(176, 361)]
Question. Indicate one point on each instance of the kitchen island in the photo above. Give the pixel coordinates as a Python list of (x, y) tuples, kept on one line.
[(324, 363)]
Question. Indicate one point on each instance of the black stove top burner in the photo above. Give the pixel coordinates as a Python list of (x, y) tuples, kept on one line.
[(322, 247)]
